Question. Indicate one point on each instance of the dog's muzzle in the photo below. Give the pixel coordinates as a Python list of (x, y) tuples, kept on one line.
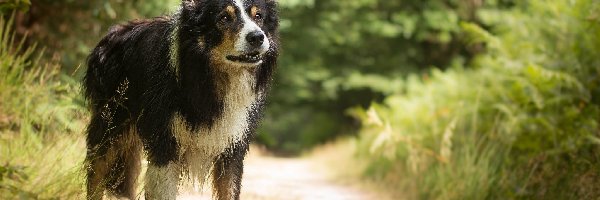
[(253, 46)]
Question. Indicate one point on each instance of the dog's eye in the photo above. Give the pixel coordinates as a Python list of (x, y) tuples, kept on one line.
[(258, 17), (225, 19)]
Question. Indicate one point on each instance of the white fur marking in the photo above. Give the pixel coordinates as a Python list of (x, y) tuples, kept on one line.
[(200, 149), (161, 182), (174, 46), (241, 45)]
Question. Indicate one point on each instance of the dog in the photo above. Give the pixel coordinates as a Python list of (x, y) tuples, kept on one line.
[(185, 90)]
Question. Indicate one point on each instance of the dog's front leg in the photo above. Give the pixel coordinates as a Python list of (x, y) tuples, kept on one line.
[(162, 181), (227, 173)]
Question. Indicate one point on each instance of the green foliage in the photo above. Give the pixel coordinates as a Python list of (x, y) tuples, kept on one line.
[(32, 92), (339, 54), (10, 5), (521, 123), (70, 29), (41, 116)]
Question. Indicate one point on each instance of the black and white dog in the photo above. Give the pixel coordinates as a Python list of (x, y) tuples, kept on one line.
[(187, 90)]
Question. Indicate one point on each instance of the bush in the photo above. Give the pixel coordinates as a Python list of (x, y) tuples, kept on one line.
[(522, 122)]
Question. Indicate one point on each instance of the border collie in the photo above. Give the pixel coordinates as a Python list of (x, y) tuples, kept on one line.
[(187, 90)]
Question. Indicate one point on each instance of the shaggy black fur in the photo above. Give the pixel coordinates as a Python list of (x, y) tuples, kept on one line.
[(132, 87)]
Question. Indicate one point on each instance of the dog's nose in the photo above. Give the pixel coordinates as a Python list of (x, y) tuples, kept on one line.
[(255, 38)]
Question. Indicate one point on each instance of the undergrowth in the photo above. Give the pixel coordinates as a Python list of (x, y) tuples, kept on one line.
[(41, 121), (521, 123)]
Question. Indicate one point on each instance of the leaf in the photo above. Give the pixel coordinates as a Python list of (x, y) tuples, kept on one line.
[(475, 34)]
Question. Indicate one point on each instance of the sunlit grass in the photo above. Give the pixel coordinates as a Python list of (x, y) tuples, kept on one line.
[(46, 167), (41, 123)]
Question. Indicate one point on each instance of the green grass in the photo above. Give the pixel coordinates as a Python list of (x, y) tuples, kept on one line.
[(45, 167), (41, 123)]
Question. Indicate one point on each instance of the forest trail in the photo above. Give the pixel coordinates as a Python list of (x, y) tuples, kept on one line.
[(267, 177)]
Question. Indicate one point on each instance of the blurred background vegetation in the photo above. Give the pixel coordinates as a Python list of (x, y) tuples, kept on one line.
[(442, 99)]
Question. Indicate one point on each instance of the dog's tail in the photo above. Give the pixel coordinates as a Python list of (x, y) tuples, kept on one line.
[(105, 73)]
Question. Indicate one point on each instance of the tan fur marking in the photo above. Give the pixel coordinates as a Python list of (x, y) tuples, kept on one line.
[(253, 11), (128, 146), (100, 168), (230, 10), (201, 42), (224, 184), (219, 53), (222, 188)]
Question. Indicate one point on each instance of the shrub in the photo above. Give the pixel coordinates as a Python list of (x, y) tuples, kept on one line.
[(522, 122)]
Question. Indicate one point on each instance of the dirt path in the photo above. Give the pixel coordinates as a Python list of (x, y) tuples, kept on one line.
[(267, 177)]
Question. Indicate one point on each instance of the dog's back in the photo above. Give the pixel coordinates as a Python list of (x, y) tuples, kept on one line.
[(125, 50)]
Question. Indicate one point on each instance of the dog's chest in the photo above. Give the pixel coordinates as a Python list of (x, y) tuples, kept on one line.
[(199, 149)]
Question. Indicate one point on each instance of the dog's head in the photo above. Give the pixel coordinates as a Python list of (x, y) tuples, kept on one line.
[(239, 33)]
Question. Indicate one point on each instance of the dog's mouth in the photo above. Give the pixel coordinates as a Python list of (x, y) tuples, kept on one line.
[(250, 58)]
